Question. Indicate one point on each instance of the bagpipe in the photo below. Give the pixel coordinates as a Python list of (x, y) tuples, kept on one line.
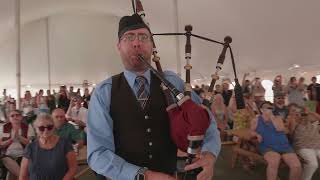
[(188, 120)]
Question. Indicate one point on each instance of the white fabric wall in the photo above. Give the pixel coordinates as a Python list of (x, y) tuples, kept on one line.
[(80, 49)]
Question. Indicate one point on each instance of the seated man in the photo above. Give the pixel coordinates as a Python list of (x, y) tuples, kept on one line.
[(304, 128), (64, 129), (274, 144), (76, 113)]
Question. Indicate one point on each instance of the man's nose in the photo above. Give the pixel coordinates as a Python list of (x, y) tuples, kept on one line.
[(136, 43)]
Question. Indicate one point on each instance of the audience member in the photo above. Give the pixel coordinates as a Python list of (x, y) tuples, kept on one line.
[(50, 157), (269, 130)]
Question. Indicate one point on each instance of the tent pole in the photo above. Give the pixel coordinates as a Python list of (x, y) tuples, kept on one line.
[(176, 29), (17, 20), (48, 52)]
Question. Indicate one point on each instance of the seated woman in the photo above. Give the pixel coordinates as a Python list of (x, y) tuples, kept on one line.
[(220, 112), (243, 117), (273, 143), (50, 156), (13, 140), (304, 128)]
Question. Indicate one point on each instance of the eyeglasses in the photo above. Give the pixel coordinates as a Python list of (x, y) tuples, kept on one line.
[(280, 98), (130, 37), (269, 108), (42, 128), (59, 116), (15, 115)]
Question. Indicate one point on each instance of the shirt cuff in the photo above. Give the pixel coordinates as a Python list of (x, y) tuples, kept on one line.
[(129, 171), (215, 152)]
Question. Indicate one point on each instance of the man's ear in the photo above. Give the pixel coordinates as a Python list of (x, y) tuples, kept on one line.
[(118, 46)]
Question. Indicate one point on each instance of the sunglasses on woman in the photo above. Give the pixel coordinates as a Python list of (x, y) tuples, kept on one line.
[(42, 128)]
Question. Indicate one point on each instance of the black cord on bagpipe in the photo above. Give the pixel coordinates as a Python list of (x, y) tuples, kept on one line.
[(134, 6)]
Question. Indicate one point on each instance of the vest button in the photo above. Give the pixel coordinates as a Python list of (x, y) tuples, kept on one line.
[(146, 117), (149, 130), (150, 156), (150, 143)]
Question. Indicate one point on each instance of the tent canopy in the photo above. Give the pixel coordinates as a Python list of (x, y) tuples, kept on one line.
[(269, 38)]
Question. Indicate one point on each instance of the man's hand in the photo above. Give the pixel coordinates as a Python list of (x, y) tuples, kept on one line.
[(259, 138), (152, 175), (76, 120), (206, 160), (79, 122)]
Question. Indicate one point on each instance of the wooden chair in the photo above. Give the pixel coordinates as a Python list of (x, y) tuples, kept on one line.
[(245, 140), (82, 156), (245, 146), (82, 172)]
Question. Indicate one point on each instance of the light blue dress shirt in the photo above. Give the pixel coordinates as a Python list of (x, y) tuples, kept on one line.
[(101, 148)]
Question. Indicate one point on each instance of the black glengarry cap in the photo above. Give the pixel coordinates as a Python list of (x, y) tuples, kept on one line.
[(128, 23)]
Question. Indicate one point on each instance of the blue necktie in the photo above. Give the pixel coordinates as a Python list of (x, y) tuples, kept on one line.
[(142, 93)]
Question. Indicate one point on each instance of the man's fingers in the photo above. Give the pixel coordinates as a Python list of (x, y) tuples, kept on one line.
[(194, 165), (202, 175), (205, 161), (205, 175), (198, 156)]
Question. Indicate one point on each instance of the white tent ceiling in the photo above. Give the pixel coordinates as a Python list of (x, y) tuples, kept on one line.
[(269, 37)]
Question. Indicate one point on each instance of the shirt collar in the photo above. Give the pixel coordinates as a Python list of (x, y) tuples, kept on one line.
[(131, 76)]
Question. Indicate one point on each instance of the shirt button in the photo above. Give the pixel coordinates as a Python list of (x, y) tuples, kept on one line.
[(149, 130), (150, 143), (150, 156)]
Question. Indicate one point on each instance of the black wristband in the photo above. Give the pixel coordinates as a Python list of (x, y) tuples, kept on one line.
[(140, 174)]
